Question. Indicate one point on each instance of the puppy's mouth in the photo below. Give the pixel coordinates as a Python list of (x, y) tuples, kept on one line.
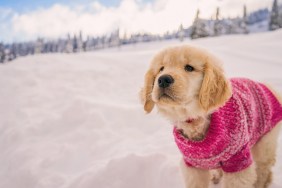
[(166, 95)]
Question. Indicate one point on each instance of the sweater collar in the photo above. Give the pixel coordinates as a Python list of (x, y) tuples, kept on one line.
[(216, 137), (190, 120)]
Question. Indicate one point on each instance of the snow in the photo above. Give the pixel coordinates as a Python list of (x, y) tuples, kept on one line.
[(75, 120)]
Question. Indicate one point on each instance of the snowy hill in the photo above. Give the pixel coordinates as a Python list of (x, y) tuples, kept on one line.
[(75, 121)]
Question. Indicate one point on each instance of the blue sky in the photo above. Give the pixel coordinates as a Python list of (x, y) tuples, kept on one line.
[(28, 5), (23, 20)]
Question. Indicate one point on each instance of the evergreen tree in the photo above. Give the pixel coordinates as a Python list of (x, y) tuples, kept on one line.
[(280, 17), (117, 39), (181, 33), (124, 39), (245, 21), (194, 28), (80, 43), (245, 14), (61, 45), (217, 24), (199, 28), (2, 53), (274, 16), (75, 44), (39, 46), (14, 51), (69, 45)]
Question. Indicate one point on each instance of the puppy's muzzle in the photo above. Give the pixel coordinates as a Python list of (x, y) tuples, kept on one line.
[(165, 81)]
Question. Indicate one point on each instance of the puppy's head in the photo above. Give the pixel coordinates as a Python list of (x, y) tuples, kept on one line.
[(184, 78)]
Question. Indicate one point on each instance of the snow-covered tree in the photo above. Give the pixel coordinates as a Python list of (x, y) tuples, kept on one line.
[(244, 22), (114, 39), (217, 23), (80, 43), (2, 53), (74, 44), (194, 28), (280, 17), (69, 45), (91, 43), (14, 50), (245, 15), (258, 16), (124, 39), (38, 46), (199, 28), (61, 45), (180, 33), (274, 16), (87, 44)]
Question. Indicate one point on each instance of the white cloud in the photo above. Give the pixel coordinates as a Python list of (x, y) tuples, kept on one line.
[(5, 24), (130, 16)]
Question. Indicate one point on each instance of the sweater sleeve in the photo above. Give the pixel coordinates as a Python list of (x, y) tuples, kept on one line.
[(241, 160)]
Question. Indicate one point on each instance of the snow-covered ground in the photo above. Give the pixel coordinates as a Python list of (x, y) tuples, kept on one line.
[(75, 121)]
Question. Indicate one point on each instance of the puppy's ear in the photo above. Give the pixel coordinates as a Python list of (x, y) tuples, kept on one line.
[(146, 91), (215, 89)]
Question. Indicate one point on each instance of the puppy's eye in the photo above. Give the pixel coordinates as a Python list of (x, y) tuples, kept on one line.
[(189, 68), (161, 69)]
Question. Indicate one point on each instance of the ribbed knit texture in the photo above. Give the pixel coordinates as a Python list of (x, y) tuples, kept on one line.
[(250, 113)]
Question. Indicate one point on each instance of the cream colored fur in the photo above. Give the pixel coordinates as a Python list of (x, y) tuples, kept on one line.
[(196, 95)]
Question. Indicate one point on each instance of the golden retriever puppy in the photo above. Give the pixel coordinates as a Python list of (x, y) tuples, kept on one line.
[(226, 126)]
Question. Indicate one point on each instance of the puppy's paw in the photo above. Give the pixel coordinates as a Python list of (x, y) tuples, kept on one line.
[(216, 176)]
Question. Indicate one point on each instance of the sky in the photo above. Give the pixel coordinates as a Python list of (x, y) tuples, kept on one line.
[(23, 20)]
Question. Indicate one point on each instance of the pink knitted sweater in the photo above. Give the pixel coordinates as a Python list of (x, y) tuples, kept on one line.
[(250, 113)]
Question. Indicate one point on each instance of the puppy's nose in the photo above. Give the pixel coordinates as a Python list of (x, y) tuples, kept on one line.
[(165, 81)]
